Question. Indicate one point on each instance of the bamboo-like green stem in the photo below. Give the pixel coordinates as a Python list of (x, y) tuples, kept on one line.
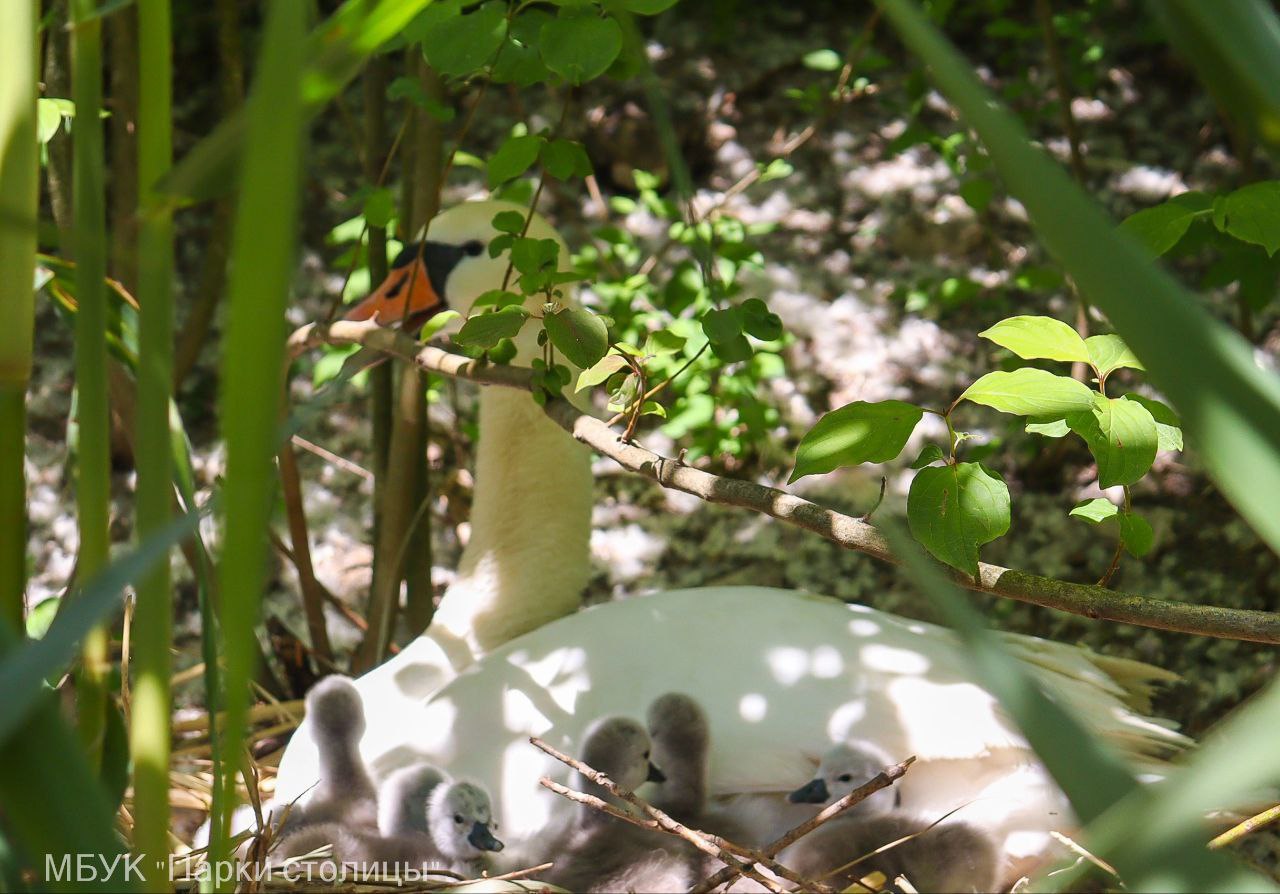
[(122, 135), (377, 74), (253, 365), (404, 488), (152, 619), (93, 461), (428, 153), (19, 184)]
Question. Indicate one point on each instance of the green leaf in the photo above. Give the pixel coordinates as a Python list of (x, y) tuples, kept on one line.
[(777, 169), (1108, 353), (758, 321), (512, 159), (600, 371), (1038, 338), (1168, 425), (498, 298), (1097, 510), (856, 433), (503, 352), (663, 341), (1050, 428), (459, 45), (579, 335), (1136, 534), (1252, 214), (625, 394), (734, 350), (653, 408), (822, 60), (436, 322), (1161, 227), (48, 118), (954, 510), (929, 454), (1122, 437), (645, 7), (41, 616), (1030, 392), (565, 159), (721, 326), (487, 329), (1231, 407), (519, 62), (579, 45), (379, 208), (508, 222), (534, 255)]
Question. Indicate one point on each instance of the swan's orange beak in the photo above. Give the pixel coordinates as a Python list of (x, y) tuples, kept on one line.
[(406, 295)]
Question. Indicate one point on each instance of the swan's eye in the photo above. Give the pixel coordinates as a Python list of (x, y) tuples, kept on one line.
[(457, 818), (646, 755), (846, 778), (474, 247)]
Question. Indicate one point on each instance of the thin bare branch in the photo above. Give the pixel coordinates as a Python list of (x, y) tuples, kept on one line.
[(1087, 600)]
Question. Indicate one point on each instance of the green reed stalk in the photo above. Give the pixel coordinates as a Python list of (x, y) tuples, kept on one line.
[(152, 620), (262, 254), (19, 184), (93, 459)]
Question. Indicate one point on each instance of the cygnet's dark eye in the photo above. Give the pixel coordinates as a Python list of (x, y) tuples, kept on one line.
[(846, 778), (474, 247), (646, 755), (457, 818)]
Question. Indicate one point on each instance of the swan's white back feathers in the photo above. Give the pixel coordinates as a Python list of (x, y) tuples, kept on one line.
[(782, 676)]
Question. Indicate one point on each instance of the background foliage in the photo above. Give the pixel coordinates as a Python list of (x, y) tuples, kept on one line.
[(803, 256)]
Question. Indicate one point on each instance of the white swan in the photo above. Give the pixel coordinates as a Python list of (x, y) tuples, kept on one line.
[(783, 675)]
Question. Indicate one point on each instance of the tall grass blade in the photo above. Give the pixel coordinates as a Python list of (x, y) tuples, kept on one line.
[(19, 184), (185, 482), (253, 361), (23, 672), (152, 620), (1233, 46), (1237, 764), (64, 812), (93, 457), (1090, 775), (1230, 407), (334, 53)]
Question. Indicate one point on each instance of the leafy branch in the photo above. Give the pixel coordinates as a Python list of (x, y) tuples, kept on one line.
[(846, 531)]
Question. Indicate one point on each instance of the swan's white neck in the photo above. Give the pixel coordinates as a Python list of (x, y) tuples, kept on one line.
[(528, 557)]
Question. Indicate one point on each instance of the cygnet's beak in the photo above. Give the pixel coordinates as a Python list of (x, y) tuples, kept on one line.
[(482, 839), (812, 792), (655, 775), (412, 290)]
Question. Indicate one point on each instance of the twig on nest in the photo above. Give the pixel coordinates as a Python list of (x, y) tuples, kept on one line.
[(664, 823), (884, 779)]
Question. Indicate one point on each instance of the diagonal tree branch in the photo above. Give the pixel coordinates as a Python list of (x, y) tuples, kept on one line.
[(1087, 600)]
